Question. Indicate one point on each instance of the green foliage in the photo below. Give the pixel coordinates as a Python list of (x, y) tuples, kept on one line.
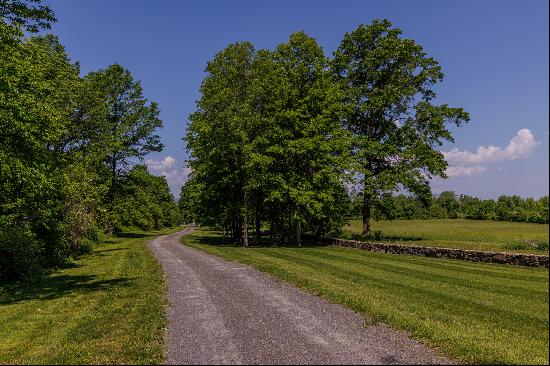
[(447, 205), (37, 81), (23, 13), (81, 210), (20, 253), (219, 133), (145, 202), (265, 142), (277, 134), (388, 83), (66, 144), (188, 203), (127, 128)]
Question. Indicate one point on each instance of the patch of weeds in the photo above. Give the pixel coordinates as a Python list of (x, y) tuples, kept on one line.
[(377, 235), (528, 244)]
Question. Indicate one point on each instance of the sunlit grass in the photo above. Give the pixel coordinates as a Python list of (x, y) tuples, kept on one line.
[(478, 313), (106, 308), (463, 234)]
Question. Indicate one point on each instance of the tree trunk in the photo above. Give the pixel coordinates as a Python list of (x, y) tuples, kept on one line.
[(258, 229), (298, 234), (272, 232), (367, 198), (234, 232), (113, 170), (245, 221), (113, 179)]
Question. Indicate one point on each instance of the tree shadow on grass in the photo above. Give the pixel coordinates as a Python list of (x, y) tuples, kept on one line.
[(53, 287), (101, 252), (215, 238), (379, 237), (133, 235)]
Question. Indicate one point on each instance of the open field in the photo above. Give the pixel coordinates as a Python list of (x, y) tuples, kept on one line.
[(105, 308), (463, 234), (479, 313)]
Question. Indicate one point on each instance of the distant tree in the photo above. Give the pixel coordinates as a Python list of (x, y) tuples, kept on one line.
[(26, 14), (188, 202), (448, 201), (396, 127), (145, 201), (128, 126)]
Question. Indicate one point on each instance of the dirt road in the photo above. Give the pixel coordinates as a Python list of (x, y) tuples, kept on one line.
[(223, 312)]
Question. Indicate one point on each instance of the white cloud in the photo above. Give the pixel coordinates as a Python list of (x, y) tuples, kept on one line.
[(166, 163), (467, 163), (461, 170), (175, 174), (521, 146)]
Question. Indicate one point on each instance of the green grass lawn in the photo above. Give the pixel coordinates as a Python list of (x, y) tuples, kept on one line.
[(106, 308), (459, 233), (478, 313)]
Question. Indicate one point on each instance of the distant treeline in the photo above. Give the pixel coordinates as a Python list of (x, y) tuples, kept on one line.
[(449, 205), (67, 150)]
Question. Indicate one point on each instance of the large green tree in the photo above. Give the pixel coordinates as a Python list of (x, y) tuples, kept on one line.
[(126, 131), (303, 147), (266, 143), (218, 138), (396, 126), (38, 84)]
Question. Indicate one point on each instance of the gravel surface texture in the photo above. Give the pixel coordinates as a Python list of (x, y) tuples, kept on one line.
[(222, 312)]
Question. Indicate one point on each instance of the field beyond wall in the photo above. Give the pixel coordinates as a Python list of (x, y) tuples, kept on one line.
[(500, 236)]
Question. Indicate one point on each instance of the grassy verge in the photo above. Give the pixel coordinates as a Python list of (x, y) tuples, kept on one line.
[(106, 308), (463, 234), (479, 313)]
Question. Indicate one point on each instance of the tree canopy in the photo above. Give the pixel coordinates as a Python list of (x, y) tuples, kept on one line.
[(279, 136), (266, 142), (27, 14)]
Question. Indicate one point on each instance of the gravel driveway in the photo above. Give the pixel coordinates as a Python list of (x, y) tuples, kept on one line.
[(223, 312)]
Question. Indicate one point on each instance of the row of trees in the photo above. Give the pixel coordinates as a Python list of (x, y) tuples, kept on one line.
[(449, 205), (67, 148), (279, 135)]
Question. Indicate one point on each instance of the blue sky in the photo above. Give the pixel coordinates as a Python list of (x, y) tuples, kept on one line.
[(494, 55)]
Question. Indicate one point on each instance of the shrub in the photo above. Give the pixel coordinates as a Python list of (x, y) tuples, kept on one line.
[(20, 253)]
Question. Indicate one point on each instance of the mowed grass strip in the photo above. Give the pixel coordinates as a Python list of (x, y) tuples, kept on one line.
[(498, 236), (105, 309), (478, 313)]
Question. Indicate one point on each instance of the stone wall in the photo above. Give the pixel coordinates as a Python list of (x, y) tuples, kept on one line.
[(531, 260)]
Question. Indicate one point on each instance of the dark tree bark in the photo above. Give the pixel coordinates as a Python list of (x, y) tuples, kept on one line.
[(298, 233), (245, 221), (367, 202), (258, 228)]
